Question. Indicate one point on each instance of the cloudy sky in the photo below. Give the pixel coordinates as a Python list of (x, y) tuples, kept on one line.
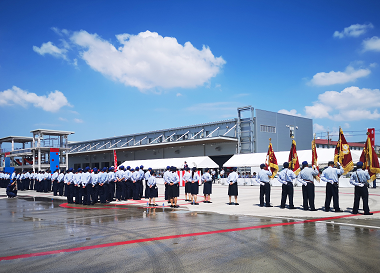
[(108, 68)]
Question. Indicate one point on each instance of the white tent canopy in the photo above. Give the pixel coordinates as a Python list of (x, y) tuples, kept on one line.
[(255, 159), (155, 164)]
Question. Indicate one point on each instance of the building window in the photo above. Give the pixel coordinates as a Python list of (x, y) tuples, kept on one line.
[(267, 129)]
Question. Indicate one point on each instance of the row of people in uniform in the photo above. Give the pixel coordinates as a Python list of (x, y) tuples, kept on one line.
[(306, 177), (191, 179)]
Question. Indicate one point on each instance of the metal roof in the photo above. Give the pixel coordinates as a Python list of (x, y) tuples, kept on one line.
[(155, 131), (16, 139), (165, 144), (52, 132)]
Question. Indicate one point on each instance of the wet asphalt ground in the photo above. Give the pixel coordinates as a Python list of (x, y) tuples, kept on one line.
[(41, 234)]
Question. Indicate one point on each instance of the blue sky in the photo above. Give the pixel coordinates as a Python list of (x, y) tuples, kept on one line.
[(108, 68)]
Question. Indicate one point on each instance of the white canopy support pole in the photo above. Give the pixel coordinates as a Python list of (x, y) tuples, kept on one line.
[(140, 140), (229, 130), (169, 137), (197, 134), (114, 144), (126, 142), (104, 145), (183, 135), (210, 134), (155, 139)]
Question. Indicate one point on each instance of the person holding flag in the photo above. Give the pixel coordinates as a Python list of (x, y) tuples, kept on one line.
[(286, 177), (360, 180), (330, 176), (306, 178)]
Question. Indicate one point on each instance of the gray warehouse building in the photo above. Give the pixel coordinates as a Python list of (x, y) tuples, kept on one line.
[(249, 132)]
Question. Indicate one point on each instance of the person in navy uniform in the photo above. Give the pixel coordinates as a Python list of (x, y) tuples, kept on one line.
[(129, 183), (69, 182), (54, 178), (95, 186), (136, 186), (141, 178), (194, 189), (173, 193), (187, 179), (360, 179), (306, 178), (103, 184), (263, 177), (207, 186), (146, 176), (11, 189), (233, 186), (119, 183), (111, 184), (167, 182), (86, 186), (78, 186), (152, 191), (330, 176), (60, 179), (286, 177)]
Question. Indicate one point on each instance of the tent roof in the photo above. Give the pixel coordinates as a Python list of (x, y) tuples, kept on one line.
[(255, 159), (199, 162)]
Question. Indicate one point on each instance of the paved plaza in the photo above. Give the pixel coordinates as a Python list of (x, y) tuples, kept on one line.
[(42, 233)]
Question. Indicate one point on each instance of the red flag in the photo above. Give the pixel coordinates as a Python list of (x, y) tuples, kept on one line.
[(314, 157), (371, 135), (370, 159), (293, 159), (271, 160), (115, 160), (343, 153)]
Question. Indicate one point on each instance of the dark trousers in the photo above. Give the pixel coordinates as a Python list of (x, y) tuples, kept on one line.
[(129, 188), (363, 193), (55, 187), (103, 193), (95, 194), (20, 185), (111, 191), (141, 188), (69, 193), (136, 191), (46, 185), (308, 194), (123, 190), (78, 194), (287, 191), (166, 192), (332, 190), (32, 181), (119, 190), (87, 194), (146, 195), (265, 190), (60, 188)]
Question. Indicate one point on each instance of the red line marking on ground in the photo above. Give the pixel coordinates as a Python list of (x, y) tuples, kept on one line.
[(66, 205), (45, 253)]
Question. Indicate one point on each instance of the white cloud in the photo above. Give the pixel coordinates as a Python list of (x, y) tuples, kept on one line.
[(373, 65), (347, 125), (148, 60), (77, 120), (292, 112), (62, 119), (371, 44), (179, 95), (350, 75), (352, 103), (51, 103), (353, 31), (49, 48), (318, 128)]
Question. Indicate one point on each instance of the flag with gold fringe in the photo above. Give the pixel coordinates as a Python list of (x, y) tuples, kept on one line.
[(293, 159), (314, 158), (343, 153), (370, 159), (271, 160)]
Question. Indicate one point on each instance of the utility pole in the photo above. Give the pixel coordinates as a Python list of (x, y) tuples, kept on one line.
[(328, 139)]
